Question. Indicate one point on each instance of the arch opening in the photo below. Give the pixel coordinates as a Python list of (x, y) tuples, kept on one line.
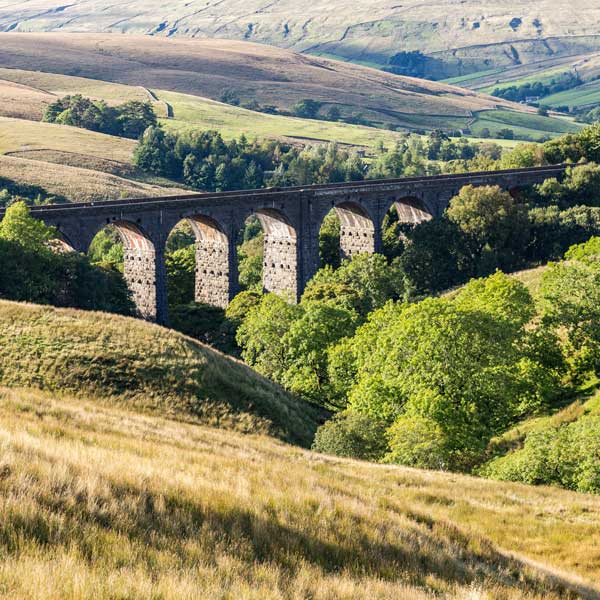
[(411, 210), (197, 258), (357, 231), (269, 253), (124, 246)]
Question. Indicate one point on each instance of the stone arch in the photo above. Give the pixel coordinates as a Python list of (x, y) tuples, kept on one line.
[(411, 210), (357, 230), (212, 284), (280, 262), (139, 266), (62, 244)]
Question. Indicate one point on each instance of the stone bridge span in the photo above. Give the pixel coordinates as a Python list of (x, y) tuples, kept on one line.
[(291, 219)]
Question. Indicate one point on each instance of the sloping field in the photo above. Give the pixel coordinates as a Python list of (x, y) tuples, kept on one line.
[(74, 183), (21, 137), (462, 34), (22, 101), (46, 87), (133, 364), (101, 503), (232, 121), (253, 72)]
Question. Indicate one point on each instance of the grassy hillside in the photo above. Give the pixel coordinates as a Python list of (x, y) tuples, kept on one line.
[(73, 183), (103, 503), (134, 364), (21, 137), (252, 72), (458, 36)]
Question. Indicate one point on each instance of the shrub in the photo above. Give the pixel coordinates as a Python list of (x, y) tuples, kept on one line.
[(417, 442), (352, 435)]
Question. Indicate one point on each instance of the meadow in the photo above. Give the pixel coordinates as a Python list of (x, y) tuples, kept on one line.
[(102, 503)]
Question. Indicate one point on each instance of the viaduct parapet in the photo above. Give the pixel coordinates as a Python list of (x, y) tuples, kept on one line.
[(291, 219)]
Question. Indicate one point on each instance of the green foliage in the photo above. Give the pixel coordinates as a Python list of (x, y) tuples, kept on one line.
[(567, 455), (417, 441), (19, 227), (362, 284), (436, 258), (306, 343), (306, 109), (250, 262), (107, 248), (206, 323), (352, 435), (181, 275), (329, 241), (261, 335), (127, 120), (571, 303), (30, 270), (495, 224)]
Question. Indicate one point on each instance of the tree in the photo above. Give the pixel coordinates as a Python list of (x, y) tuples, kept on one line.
[(437, 256), (362, 284), (262, 335), (306, 109), (181, 270), (319, 326), (496, 225), (353, 435), (19, 227), (571, 303), (134, 118)]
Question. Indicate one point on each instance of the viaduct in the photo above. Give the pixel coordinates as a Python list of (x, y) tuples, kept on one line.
[(291, 219)]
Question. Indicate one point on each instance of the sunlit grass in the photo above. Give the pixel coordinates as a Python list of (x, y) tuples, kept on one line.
[(101, 503)]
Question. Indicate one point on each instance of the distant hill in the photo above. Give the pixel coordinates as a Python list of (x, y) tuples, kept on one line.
[(457, 35), (249, 72), (137, 365)]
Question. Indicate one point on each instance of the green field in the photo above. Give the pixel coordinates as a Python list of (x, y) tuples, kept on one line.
[(525, 126), (232, 121), (581, 96)]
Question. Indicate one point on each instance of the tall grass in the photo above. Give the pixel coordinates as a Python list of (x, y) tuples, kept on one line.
[(131, 363), (102, 503)]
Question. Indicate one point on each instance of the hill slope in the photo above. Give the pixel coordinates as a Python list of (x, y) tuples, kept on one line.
[(135, 364), (103, 503), (457, 34), (255, 73)]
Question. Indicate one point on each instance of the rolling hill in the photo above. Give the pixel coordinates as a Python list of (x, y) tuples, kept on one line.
[(253, 73), (458, 36), (99, 502), (132, 364)]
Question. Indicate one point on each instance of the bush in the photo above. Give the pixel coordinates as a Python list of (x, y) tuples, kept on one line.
[(353, 435), (205, 323), (417, 442), (568, 456)]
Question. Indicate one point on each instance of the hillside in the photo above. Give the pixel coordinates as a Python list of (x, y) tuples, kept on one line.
[(73, 183), (458, 36), (252, 72), (101, 503), (133, 364)]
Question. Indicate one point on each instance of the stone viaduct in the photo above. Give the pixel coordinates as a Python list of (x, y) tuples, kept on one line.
[(291, 219)]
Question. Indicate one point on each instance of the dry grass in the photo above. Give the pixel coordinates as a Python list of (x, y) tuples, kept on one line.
[(102, 503), (73, 183), (136, 364), (23, 102), (46, 87), (17, 135)]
